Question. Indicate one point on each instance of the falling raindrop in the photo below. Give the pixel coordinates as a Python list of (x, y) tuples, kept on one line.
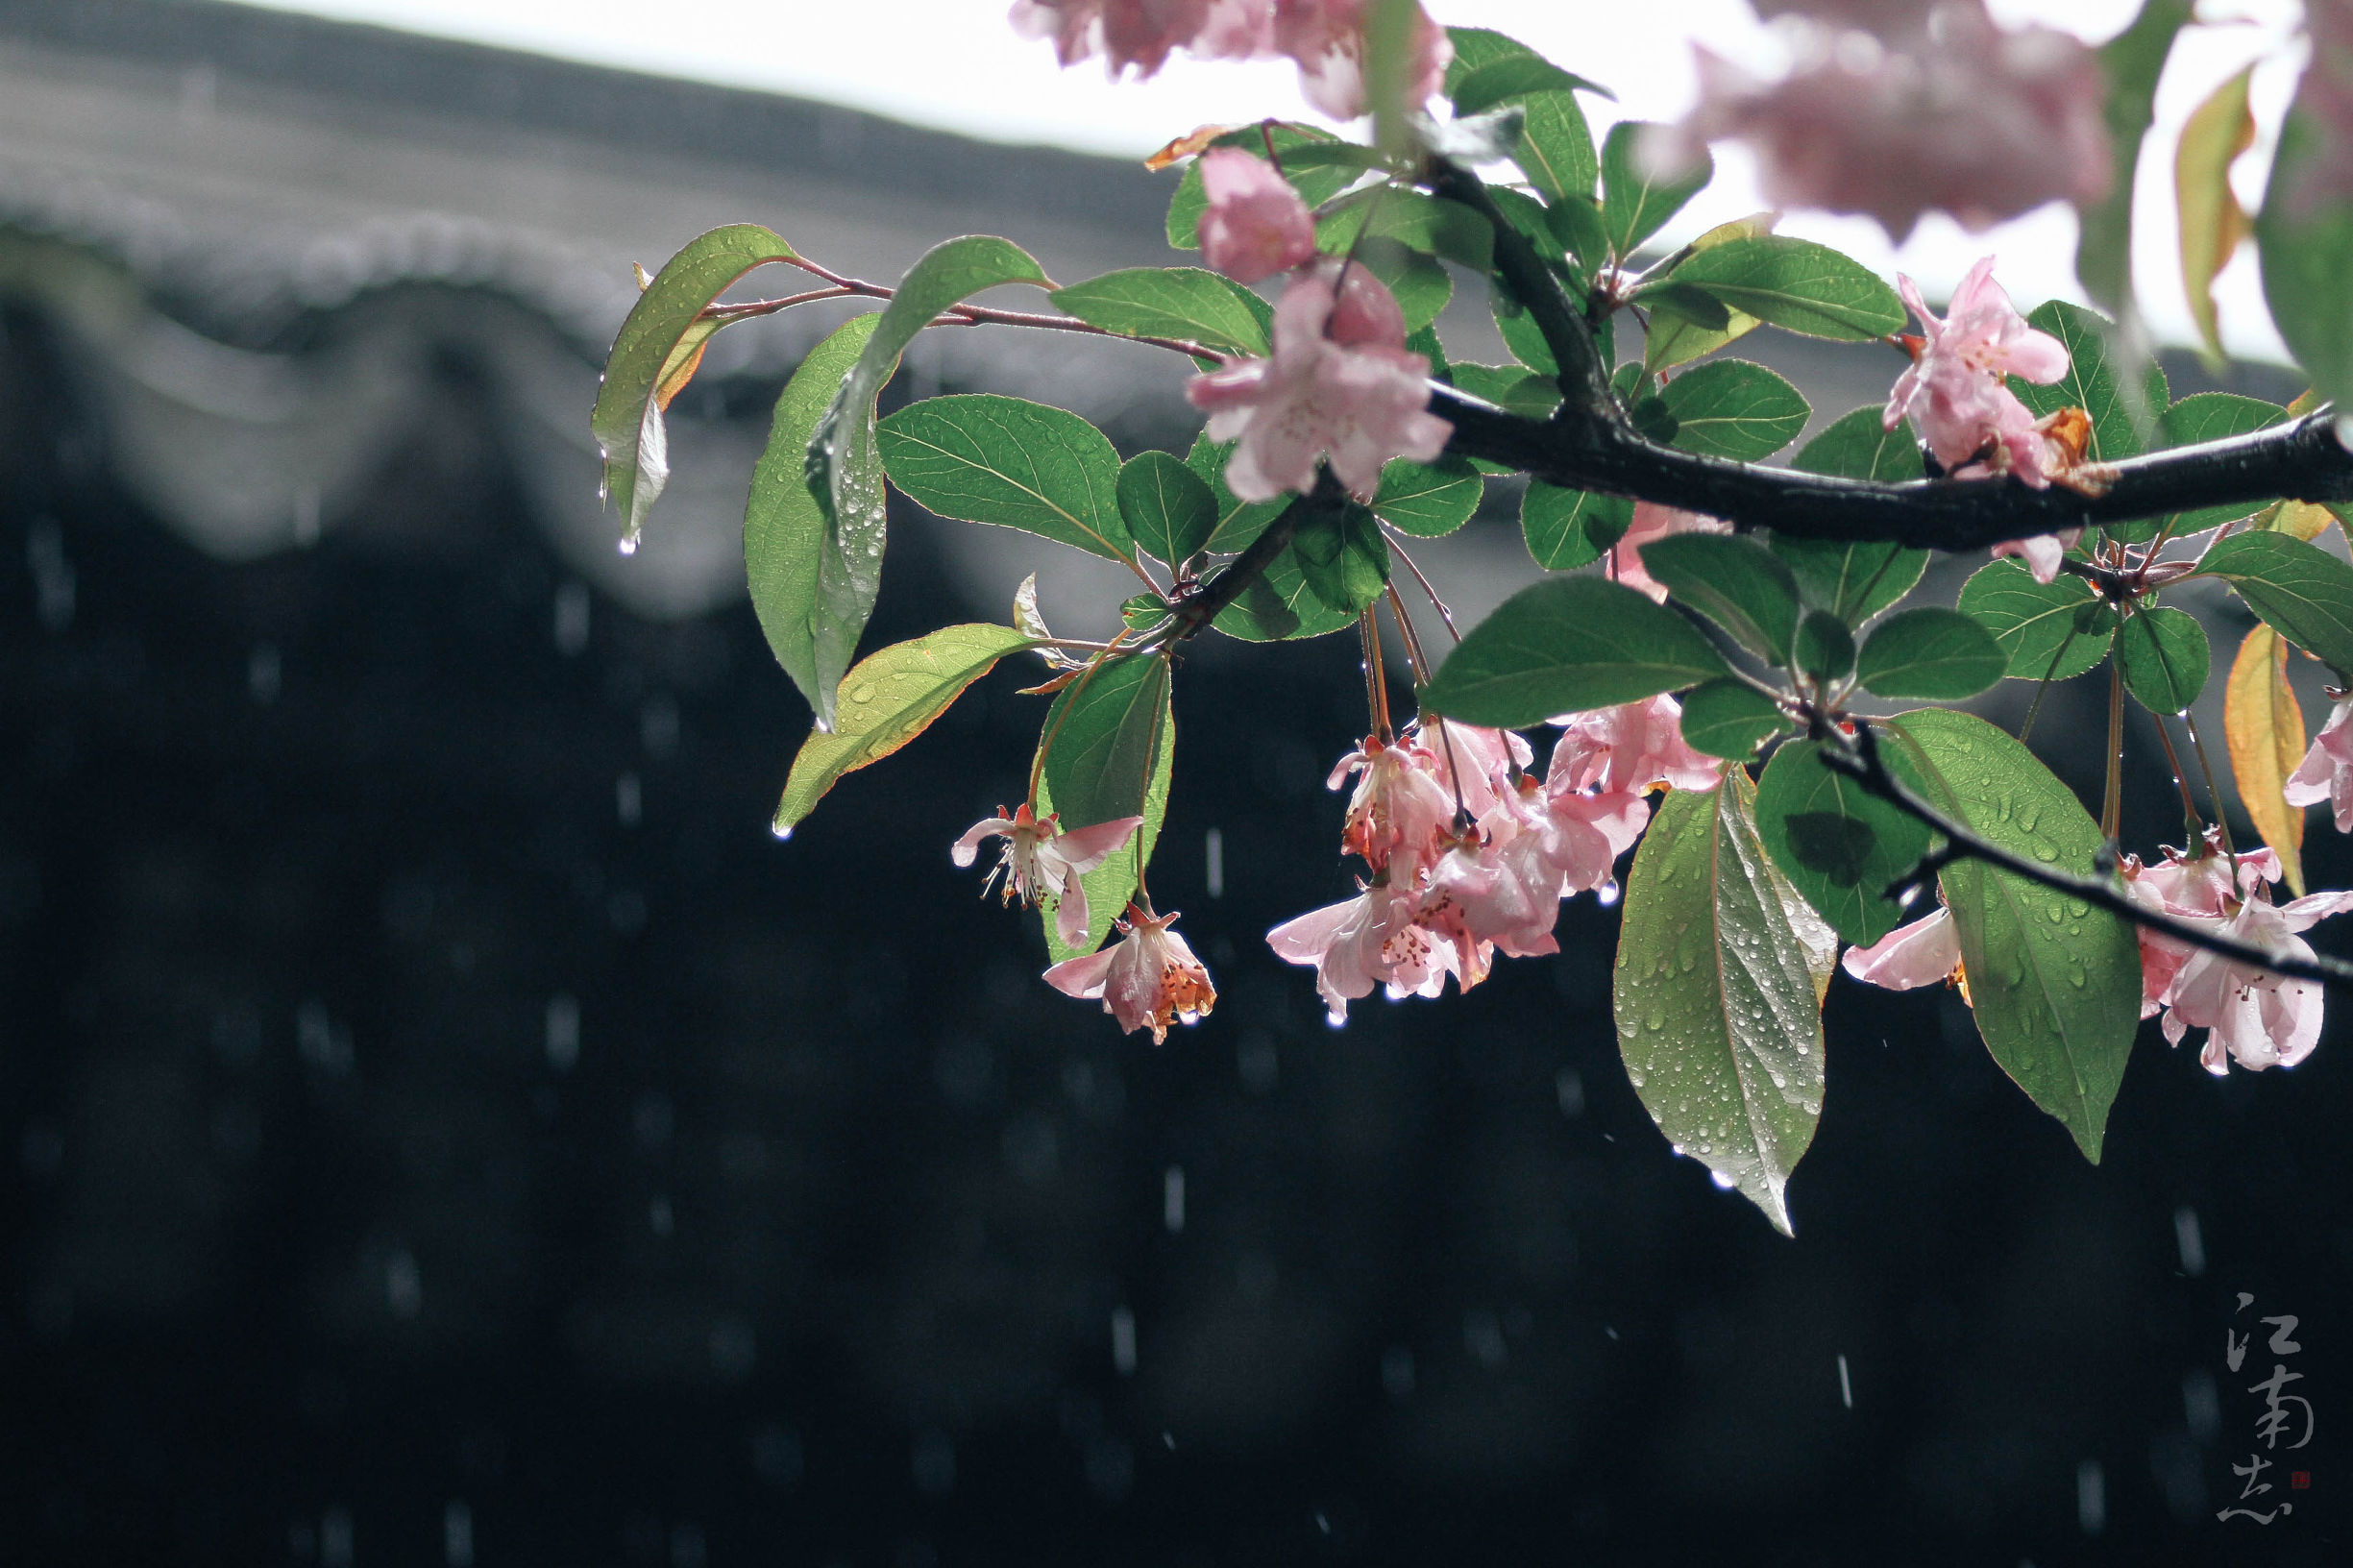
[(1172, 1199), (563, 1031), (1123, 1341), (2190, 1240), (457, 1536), (1213, 869), (2090, 1497), (1397, 1372), (1846, 1388)]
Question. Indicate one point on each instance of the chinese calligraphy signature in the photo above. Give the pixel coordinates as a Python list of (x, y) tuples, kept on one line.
[(2282, 1414)]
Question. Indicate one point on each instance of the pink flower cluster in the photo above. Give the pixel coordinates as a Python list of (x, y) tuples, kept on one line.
[(1958, 399), (1340, 384), (1932, 107), (2257, 1018), (1471, 856), (2327, 772), (1149, 978), (1325, 38)]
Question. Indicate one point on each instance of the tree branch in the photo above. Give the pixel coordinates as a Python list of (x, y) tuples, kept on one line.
[(1862, 763), (2302, 459), (1197, 611)]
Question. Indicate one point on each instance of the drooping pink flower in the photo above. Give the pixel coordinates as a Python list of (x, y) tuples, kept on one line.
[(1919, 954), (1340, 384), (2253, 1016), (1652, 523), (1256, 225), (1369, 940), (1469, 760), (1934, 109), (1141, 34), (2327, 772), (1042, 863), (1400, 811), (1634, 747), (1327, 40), (1482, 898), (1584, 832), (2044, 554), (1147, 979)]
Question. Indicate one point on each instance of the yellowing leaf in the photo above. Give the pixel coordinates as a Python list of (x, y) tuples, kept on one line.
[(2303, 519), (2212, 220), (2264, 725), (888, 699), (684, 360)]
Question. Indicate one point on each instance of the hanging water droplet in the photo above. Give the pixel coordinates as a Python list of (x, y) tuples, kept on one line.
[(782, 830), (1608, 891), (628, 544), (1721, 1180)]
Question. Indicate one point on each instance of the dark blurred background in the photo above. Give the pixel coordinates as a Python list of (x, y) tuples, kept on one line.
[(445, 1128)]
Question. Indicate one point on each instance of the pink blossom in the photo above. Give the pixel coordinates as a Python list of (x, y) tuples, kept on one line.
[(1148, 979), (1470, 762), (2327, 772), (1919, 954), (1652, 523), (1327, 40), (1584, 832), (1954, 392), (1042, 863), (1632, 748), (1340, 384), (2259, 1018), (1142, 33), (1482, 897), (1400, 811), (2044, 554), (1369, 940), (1256, 225), (1949, 112)]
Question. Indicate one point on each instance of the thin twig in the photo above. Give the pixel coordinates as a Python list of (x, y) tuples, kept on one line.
[(1862, 762), (1436, 602)]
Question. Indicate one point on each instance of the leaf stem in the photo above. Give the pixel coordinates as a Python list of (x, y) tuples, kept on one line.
[(1436, 602), (1861, 761)]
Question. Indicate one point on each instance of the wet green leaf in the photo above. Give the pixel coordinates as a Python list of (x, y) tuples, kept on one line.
[(1428, 500), (1795, 285), (1569, 529), (1111, 885), (1735, 582), (1717, 1012), (2303, 590), (2165, 658), (1727, 717), (1930, 653), (1566, 645), (2039, 623), (1170, 509), (1185, 302), (1841, 847), (1735, 409)]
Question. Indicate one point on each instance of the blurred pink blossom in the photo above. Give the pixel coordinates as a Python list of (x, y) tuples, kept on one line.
[(1042, 863), (1142, 33), (1936, 107), (1652, 523), (1327, 40), (1256, 225)]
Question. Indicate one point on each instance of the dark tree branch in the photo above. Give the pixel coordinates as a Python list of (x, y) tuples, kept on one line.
[(1198, 609), (1862, 763), (1591, 445), (2302, 459)]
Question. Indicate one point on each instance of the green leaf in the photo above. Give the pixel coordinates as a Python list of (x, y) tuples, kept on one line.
[(1930, 653), (1727, 717), (1824, 648), (2090, 382), (891, 697), (628, 419), (1672, 340), (1172, 302), (2302, 591), (1343, 556), (1575, 226), (1855, 581), (2165, 658), (1563, 646), (1281, 607), (1718, 1014), (1510, 78), (1099, 737), (1735, 409), (1238, 522), (1429, 500), (979, 458), (784, 532), (1635, 202), (1795, 285), (1170, 509), (1839, 844), (1692, 303), (1508, 386), (1735, 582), (1111, 885), (2055, 984), (2131, 62), (2212, 416), (2306, 238), (1517, 325), (2038, 623), (1570, 529), (1300, 148), (842, 470), (1419, 221), (1422, 285)]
